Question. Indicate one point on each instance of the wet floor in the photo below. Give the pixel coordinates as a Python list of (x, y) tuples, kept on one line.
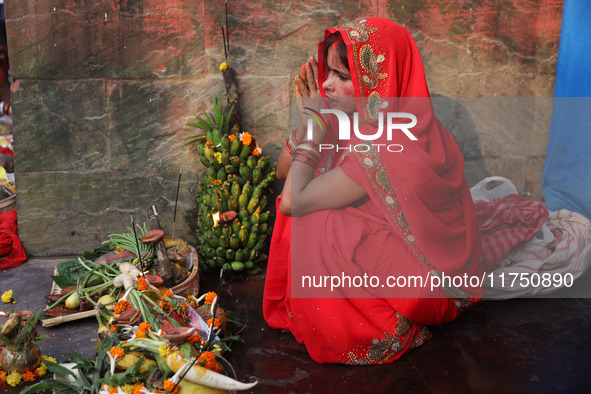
[(515, 346)]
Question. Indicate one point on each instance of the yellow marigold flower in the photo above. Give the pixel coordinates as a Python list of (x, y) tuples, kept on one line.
[(117, 352), (217, 349), (164, 350), (246, 138), (14, 378), (128, 388), (48, 358), (209, 297), (224, 66), (7, 296), (218, 156), (42, 370), (28, 376), (119, 250)]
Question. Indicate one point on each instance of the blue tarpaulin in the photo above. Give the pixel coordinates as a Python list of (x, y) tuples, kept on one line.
[(567, 172)]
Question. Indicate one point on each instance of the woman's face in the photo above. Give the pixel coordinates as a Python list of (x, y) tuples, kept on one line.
[(340, 93)]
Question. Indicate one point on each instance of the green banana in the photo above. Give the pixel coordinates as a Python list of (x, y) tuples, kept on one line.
[(245, 172), (235, 146), (237, 266), (257, 175), (251, 163), (244, 151)]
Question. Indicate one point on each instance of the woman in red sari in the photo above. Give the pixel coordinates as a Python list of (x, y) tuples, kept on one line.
[(395, 206)]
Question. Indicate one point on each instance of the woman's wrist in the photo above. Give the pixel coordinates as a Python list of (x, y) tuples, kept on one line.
[(307, 152)]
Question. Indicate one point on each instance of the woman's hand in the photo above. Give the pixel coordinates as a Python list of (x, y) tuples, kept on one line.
[(308, 95)]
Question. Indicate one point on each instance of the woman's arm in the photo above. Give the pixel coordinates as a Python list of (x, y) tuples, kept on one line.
[(302, 193)]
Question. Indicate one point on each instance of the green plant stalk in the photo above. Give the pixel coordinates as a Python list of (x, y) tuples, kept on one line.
[(135, 297)]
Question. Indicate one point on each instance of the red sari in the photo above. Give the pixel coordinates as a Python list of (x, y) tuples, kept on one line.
[(417, 221)]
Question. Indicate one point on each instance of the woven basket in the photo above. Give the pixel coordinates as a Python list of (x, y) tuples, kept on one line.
[(8, 204), (190, 286)]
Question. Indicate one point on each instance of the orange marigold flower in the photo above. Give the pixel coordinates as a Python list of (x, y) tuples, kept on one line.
[(28, 376), (2, 376), (232, 137), (167, 293), (140, 334), (207, 359), (169, 386), (209, 144), (196, 338), (117, 352), (145, 326), (217, 182), (246, 138), (138, 389), (209, 297), (112, 329), (121, 306), (216, 322), (141, 284), (114, 391)]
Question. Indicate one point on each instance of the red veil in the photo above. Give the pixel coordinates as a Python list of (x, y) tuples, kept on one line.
[(418, 219)]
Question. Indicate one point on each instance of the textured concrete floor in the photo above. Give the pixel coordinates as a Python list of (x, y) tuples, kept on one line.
[(522, 345)]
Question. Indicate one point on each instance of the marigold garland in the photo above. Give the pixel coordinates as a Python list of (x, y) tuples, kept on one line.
[(28, 376), (41, 370), (121, 306), (49, 358), (14, 379)]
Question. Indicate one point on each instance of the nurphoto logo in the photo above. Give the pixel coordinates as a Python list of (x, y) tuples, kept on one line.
[(344, 124)]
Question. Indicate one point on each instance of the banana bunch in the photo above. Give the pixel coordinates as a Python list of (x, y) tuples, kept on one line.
[(234, 222)]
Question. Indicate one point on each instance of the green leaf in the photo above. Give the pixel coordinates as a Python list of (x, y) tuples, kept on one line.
[(6, 340), (59, 386), (59, 369)]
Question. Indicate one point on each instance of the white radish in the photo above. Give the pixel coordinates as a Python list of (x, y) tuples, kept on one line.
[(205, 377)]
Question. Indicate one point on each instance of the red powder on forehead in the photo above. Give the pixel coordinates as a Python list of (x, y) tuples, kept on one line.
[(335, 41)]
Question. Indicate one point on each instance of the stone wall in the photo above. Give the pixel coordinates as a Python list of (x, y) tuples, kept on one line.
[(104, 88)]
